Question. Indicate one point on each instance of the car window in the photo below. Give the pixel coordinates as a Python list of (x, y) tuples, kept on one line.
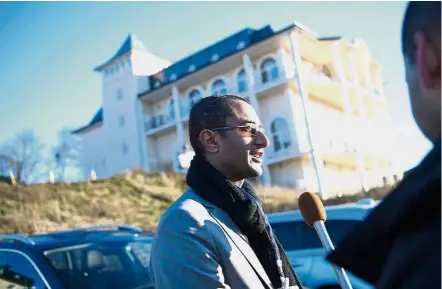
[(112, 265), (17, 272), (299, 236)]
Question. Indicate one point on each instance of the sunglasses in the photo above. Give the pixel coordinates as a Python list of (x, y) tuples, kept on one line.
[(250, 129)]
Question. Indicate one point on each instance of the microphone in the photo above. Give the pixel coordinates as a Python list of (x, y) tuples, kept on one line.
[(313, 212)]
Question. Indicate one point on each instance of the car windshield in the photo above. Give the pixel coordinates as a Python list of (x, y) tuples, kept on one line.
[(106, 265)]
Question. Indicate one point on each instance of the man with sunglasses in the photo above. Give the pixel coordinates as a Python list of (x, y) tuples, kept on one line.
[(216, 235)]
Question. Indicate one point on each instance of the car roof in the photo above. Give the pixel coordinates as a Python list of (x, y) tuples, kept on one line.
[(51, 241), (79, 236), (351, 211)]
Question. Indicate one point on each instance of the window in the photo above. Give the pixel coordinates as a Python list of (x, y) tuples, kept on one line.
[(326, 71), (300, 236), (269, 71), (192, 68), (124, 148), (194, 96), (215, 57), (242, 81), (280, 134), (119, 94), (122, 120), (17, 270), (219, 87), (172, 109), (102, 265)]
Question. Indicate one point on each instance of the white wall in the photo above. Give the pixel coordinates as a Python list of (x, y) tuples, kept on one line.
[(93, 156), (118, 135), (287, 174), (165, 148)]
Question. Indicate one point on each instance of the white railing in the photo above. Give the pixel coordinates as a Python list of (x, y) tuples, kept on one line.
[(158, 120)]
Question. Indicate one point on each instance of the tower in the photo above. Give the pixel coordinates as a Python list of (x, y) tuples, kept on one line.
[(123, 139)]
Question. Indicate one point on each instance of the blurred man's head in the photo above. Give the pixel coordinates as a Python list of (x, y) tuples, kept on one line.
[(227, 132), (421, 47)]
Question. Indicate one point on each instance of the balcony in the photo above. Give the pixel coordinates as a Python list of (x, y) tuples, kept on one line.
[(158, 123)]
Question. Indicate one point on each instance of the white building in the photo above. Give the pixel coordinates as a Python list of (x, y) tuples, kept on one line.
[(295, 80)]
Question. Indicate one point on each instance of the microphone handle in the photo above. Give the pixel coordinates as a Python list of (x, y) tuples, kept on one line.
[(328, 246)]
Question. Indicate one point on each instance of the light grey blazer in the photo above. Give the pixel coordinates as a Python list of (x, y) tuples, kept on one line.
[(197, 246)]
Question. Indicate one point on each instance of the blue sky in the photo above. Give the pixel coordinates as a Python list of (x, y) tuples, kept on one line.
[(48, 51)]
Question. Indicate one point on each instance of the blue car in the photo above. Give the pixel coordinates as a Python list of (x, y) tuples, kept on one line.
[(304, 248), (96, 257)]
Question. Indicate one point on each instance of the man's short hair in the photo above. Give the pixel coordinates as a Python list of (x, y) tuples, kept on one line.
[(420, 16), (208, 113)]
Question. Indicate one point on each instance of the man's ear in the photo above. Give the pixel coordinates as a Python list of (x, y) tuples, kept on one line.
[(428, 61), (209, 141)]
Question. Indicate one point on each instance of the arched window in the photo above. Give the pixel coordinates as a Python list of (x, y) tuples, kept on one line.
[(172, 109), (219, 87), (326, 71), (280, 134), (194, 96), (241, 81), (269, 71)]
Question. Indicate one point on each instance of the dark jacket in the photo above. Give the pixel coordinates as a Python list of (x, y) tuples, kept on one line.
[(398, 246)]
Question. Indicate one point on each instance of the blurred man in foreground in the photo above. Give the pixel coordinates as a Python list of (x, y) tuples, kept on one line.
[(217, 234), (399, 245)]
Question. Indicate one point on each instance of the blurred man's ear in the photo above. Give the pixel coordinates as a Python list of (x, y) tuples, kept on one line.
[(428, 60), (208, 140)]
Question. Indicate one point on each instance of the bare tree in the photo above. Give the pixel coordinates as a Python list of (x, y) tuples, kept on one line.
[(4, 166), (22, 155), (66, 152)]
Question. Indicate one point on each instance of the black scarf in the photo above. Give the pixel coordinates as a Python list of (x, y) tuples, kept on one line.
[(247, 214)]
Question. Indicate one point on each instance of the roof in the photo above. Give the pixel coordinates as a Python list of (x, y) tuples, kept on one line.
[(212, 54), (65, 239), (131, 43), (98, 118)]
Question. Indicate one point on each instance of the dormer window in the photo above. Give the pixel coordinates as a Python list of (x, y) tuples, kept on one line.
[(215, 57), (192, 68), (240, 45), (173, 77)]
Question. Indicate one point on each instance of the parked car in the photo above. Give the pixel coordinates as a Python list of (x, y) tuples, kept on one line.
[(97, 257), (304, 248)]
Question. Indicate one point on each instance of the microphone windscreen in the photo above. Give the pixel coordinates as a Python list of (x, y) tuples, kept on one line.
[(311, 208)]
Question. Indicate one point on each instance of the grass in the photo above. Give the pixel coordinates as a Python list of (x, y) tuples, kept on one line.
[(137, 198)]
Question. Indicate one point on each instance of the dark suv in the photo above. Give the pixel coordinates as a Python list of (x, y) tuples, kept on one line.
[(97, 257)]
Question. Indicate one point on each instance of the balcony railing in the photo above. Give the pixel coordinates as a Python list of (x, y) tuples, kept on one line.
[(156, 121)]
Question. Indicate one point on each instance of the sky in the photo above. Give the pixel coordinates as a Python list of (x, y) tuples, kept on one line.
[(48, 51)]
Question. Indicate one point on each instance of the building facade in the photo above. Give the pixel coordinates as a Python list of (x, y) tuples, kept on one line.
[(320, 100)]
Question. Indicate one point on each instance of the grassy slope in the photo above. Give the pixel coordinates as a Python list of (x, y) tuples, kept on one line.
[(136, 199)]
